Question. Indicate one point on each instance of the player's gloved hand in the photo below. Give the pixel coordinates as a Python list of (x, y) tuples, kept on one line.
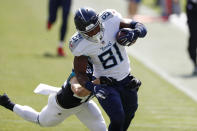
[(140, 28), (129, 38), (98, 90)]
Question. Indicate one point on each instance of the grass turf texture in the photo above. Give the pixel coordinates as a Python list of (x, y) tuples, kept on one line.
[(24, 42)]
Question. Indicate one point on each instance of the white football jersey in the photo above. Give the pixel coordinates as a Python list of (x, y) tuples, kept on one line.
[(108, 57)]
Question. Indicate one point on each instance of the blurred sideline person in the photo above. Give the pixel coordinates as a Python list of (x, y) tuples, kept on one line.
[(95, 39), (169, 7), (62, 103), (54, 5), (157, 3), (133, 6), (191, 10)]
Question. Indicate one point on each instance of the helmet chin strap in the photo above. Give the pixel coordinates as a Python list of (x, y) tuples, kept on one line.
[(98, 37), (100, 34)]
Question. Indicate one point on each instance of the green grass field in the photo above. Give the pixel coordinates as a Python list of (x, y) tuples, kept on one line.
[(24, 42)]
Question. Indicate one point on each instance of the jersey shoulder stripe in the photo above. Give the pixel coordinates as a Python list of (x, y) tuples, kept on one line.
[(75, 40)]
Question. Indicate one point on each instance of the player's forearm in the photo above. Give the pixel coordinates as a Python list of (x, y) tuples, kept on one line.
[(86, 83), (82, 79), (80, 66), (78, 89)]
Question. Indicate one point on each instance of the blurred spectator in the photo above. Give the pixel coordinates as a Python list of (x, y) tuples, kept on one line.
[(133, 7), (53, 7), (169, 7), (157, 3), (191, 10)]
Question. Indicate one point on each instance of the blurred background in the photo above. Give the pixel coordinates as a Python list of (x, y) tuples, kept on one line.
[(28, 56)]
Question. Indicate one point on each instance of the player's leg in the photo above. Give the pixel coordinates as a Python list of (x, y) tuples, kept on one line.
[(192, 46), (128, 88), (176, 8), (50, 115), (114, 109), (133, 7), (25, 112), (130, 105), (165, 7), (52, 12), (66, 4), (53, 114), (91, 116)]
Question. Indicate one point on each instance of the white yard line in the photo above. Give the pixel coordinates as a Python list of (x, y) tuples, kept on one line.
[(162, 73), (180, 21)]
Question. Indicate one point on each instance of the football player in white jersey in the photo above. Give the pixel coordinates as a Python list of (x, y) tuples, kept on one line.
[(96, 39), (62, 103)]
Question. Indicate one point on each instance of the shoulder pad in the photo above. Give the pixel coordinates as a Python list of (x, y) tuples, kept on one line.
[(75, 40)]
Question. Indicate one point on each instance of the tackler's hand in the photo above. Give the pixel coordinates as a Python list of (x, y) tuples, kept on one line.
[(98, 90)]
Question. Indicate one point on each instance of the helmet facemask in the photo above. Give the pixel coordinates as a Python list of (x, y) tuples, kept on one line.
[(94, 32)]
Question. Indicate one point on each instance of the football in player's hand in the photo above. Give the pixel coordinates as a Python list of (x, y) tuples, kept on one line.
[(119, 35), (125, 37)]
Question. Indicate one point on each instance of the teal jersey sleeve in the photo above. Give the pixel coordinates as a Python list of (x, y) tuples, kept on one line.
[(72, 74)]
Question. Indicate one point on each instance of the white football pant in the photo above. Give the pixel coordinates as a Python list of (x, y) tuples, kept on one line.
[(52, 114)]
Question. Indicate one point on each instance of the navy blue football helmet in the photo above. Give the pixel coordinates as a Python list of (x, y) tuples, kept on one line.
[(88, 24)]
